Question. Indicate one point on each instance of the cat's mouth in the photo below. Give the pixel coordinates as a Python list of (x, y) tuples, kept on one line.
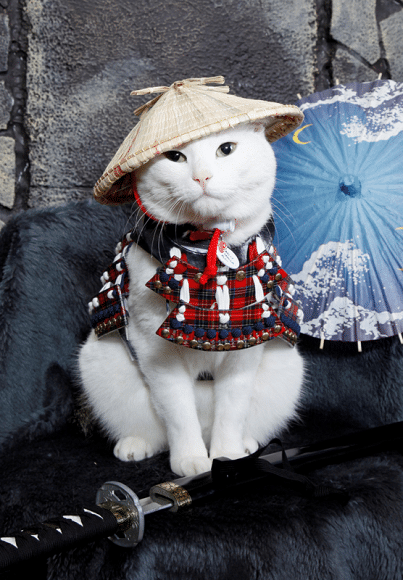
[(209, 194), (210, 208)]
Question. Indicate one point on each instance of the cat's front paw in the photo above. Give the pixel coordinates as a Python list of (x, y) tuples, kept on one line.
[(190, 465), (228, 455), (133, 449), (233, 450), (230, 450), (250, 444)]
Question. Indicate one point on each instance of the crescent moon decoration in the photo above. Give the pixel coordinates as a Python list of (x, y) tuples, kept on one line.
[(297, 132)]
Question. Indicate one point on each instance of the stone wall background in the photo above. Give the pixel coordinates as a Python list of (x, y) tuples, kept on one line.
[(67, 68)]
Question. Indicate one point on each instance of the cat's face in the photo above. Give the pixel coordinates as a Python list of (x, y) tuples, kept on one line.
[(226, 176)]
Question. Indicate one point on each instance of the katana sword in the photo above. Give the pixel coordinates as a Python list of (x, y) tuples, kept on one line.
[(120, 514)]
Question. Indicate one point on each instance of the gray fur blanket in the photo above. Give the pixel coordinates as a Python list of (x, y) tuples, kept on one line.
[(50, 263)]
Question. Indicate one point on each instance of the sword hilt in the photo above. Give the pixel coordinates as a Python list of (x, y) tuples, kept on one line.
[(118, 514), (129, 511)]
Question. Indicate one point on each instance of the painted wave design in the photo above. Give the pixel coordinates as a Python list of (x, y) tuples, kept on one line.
[(327, 287)]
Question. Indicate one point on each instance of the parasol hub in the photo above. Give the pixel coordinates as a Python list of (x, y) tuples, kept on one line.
[(350, 185)]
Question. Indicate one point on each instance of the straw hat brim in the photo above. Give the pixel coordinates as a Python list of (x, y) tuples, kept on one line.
[(177, 119)]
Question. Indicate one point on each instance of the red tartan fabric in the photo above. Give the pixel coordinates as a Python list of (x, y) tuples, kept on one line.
[(250, 321), (258, 305)]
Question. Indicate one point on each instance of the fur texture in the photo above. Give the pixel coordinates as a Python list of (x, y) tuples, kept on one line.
[(158, 402), (46, 276)]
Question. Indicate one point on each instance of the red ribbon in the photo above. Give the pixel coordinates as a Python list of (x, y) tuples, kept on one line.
[(211, 269)]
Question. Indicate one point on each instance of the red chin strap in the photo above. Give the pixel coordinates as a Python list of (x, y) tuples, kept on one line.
[(139, 202)]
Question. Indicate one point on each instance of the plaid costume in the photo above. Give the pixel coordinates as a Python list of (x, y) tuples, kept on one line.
[(108, 310), (258, 305)]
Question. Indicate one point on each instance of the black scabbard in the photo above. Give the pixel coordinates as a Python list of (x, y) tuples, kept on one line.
[(269, 466)]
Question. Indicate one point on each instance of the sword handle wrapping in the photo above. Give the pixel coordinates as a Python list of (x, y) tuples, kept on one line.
[(56, 535)]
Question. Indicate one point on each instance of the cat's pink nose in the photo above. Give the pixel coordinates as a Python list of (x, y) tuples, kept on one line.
[(201, 179)]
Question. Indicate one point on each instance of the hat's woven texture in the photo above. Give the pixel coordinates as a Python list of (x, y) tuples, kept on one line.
[(184, 112)]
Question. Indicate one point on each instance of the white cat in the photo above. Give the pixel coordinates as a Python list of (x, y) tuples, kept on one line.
[(157, 402)]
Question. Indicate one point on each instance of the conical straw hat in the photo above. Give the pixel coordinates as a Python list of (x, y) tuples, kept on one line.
[(184, 112)]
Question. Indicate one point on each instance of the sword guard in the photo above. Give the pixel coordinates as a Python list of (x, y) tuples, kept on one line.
[(125, 506)]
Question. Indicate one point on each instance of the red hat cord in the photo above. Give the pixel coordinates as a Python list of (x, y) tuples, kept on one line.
[(139, 202)]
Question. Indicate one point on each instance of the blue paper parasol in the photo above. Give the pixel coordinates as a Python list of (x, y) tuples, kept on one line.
[(338, 208)]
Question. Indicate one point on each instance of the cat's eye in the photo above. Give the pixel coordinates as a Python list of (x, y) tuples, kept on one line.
[(225, 149), (175, 156)]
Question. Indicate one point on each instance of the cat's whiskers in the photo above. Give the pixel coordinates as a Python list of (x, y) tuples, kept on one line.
[(172, 208), (159, 239), (181, 209), (135, 216), (139, 230), (279, 212), (281, 208), (158, 234)]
